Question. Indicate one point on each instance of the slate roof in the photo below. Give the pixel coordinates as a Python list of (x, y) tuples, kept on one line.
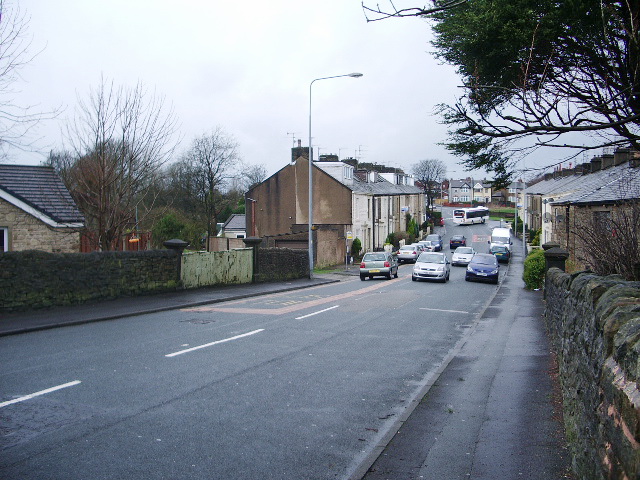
[(236, 222), (42, 189), (382, 187), (606, 186), (620, 182)]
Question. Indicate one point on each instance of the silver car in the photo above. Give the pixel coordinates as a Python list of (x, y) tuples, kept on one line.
[(427, 246), (381, 264), (462, 256), (408, 253), (431, 266)]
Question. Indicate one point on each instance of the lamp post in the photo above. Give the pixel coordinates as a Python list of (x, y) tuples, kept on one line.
[(353, 75)]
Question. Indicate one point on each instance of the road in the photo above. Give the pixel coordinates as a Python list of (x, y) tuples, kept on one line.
[(294, 385)]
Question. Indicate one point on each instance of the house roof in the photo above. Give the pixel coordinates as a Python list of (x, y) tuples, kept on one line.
[(605, 186), (38, 190), (236, 222), (620, 182), (382, 187)]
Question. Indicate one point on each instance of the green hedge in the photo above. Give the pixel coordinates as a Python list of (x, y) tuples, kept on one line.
[(534, 266)]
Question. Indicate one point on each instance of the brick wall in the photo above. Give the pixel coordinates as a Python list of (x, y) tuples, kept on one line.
[(28, 233), (595, 327)]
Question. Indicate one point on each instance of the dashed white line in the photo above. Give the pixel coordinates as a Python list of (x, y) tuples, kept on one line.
[(316, 313), (440, 310), (41, 392), (214, 343)]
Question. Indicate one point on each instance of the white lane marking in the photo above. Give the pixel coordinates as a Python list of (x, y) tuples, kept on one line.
[(316, 313), (41, 392), (214, 343), (440, 310)]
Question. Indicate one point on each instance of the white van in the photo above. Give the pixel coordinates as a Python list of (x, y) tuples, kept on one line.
[(501, 236)]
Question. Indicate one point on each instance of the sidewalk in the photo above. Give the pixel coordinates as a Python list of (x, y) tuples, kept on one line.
[(22, 322), (495, 410)]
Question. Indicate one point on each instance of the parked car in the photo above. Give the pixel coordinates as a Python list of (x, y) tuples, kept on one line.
[(380, 264), (462, 256), (436, 241), (431, 266), (407, 253), (483, 266), (502, 252), (426, 245), (457, 241)]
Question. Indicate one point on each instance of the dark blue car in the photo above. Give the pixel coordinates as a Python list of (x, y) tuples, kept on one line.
[(483, 267)]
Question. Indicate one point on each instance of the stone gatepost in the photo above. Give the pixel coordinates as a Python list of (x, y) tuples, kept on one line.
[(555, 257), (253, 242), (178, 246)]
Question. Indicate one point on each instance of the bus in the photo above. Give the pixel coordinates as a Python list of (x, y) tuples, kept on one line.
[(469, 216)]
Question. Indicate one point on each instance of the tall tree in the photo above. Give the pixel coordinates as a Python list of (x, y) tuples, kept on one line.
[(205, 169), (121, 137), (430, 173), (537, 71)]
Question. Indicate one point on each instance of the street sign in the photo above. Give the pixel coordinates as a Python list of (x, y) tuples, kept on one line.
[(349, 236)]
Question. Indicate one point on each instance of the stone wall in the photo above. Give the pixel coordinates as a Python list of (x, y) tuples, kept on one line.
[(28, 233), (595, 327), (277, 264), (35, 279)]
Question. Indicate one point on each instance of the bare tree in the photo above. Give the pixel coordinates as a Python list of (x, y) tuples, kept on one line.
[(430, 173), (121, 137), (253, 175), (17, 122), (206, 168)]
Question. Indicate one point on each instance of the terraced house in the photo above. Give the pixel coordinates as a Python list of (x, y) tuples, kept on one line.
[(365, 204)]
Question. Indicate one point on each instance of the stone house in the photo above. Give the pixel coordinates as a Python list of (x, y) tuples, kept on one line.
[(367, 204), (558, 202), (37, 211)]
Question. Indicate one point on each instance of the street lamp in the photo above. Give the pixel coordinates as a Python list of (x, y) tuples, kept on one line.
[(353, 75)]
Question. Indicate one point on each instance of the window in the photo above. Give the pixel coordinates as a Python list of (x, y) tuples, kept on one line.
[(4, 239)]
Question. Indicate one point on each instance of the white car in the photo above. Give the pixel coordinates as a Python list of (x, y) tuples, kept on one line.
[(431, 266), (462, 256)]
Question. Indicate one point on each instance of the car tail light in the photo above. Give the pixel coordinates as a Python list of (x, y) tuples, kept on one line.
[(362, 265), (386, 264)]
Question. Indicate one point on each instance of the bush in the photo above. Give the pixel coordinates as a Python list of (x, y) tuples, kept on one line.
[(535, 239), (534, 266), (356, 246)]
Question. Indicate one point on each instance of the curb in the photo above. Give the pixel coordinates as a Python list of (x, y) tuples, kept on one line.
[(165, 308)]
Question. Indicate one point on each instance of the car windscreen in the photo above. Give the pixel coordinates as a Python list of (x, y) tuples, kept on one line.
[(500, 239), (485, 260), (497, 248), (430, 258), (464, 250), (373, 257)]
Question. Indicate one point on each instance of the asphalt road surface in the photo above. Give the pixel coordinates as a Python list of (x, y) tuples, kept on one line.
[(297, 385)]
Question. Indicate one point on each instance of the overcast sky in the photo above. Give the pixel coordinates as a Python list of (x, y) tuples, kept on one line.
[(246, 67)]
